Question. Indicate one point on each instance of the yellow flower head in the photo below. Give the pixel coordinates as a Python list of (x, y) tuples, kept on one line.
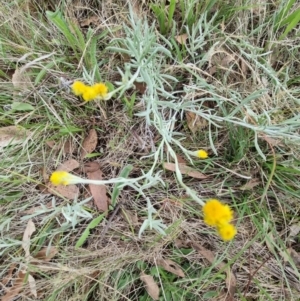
[(202, 154), (90, 94), (227, 231), (101, 89), (216, 214), (64, 178), (79, 88)]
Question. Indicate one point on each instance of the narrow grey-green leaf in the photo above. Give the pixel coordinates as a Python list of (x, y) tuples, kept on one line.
[(20, 106), (116, 191)]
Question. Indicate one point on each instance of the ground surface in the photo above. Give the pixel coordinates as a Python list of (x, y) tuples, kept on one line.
[(222, 76)]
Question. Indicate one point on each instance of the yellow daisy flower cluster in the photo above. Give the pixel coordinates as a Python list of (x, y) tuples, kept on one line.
[(96, 91), (219, 215)]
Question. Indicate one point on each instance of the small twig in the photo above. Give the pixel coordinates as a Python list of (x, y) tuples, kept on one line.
[(104, 231), (252, 276)]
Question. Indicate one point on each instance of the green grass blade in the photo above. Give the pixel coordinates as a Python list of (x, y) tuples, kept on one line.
[(171, 12), (116, 191), (93, 224), (292, 21)]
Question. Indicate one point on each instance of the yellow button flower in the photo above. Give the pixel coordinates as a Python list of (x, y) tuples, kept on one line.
[(101, 89), (97, 91), (90, 94), (215, 213), (64, 178), (227, 231), (78, 88), (202, 154)]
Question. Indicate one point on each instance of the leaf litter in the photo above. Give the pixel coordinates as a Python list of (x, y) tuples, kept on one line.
[(185, 170), (150, 285), (93, 172), (12, 135), (195, 122), (170, 266), (89, 143), (20, 278)]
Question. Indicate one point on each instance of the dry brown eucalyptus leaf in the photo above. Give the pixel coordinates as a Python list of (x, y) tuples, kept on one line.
[(294, 230), (11, 135), (180, 159), (291, 253), (194, 122), (91, 166), (150, 285), (181, 39), (69, 192), (140, 87), (68, 165), (13, 291), (171, 267), (46, 254), (21, 79), (67, 146), (98, 192), (8, 277), (185, 170), (89, 144), (32, 285), (30, 228), (250, 184)]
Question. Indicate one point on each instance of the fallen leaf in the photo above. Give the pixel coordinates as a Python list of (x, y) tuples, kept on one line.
[(91, 166), (11, 135), (221, 59), (69, 192), (290, 253), (181, 39), (98, 191), (21, 79), (68, 165), (67, 146), (230, 278), (171, 267), (294, 230), (150, 285), (171, 205), (89, 144), (32, 285), (180, 159), (269, 239), (30, 228), (8, 277), (185, 170), (250, 184), (46, 254), (42, 188), (295, 256), (195, 122), (271, 141), (141, 87), (16, 287)]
